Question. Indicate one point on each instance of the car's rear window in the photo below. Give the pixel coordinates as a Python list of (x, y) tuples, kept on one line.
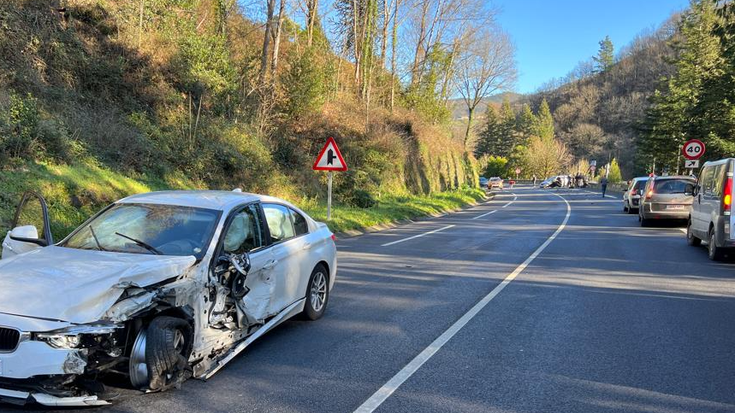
[(671, 186)]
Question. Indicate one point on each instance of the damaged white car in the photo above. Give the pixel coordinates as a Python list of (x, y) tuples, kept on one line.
[(157, 287)]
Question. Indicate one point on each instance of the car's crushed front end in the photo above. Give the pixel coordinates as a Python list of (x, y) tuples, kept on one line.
[(52, 362)]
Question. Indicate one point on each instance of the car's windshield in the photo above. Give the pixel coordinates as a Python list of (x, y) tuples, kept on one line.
[(671, 186), (148, 229)]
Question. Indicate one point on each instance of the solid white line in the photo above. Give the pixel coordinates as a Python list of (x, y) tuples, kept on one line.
[(396, 381), (417, 236), (485, 214), (514, 200)]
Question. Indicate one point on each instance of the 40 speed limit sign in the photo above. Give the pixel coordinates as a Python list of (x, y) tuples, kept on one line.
[(693, 149)]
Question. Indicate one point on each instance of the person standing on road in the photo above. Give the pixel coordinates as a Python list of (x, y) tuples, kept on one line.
[(534, 180), (603, 184)]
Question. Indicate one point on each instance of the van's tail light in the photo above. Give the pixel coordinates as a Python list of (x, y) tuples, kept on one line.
[(334, 237), (727, 198)]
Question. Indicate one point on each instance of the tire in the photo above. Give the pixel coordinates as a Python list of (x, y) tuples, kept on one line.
[(626, 209), (168, 347), (317, 294), (691, 239), (644, 222), (715, 253)]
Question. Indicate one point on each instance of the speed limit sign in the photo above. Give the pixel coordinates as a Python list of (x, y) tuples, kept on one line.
[(693, 149)]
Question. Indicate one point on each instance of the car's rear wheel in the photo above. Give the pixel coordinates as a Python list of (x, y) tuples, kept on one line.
[(317, 293), (715, 253), (692, 240), (159, 359)]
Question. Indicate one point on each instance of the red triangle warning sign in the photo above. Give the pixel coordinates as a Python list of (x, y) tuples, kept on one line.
[(330, 158)]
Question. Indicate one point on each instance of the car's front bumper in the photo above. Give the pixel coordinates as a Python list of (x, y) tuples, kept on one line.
[(23, 397)]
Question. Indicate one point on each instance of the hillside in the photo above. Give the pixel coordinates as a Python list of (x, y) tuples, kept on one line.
[(598, 115), (95, 105)]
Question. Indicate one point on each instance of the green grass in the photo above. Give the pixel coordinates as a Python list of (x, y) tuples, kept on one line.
[(391, 209), (75, 192)]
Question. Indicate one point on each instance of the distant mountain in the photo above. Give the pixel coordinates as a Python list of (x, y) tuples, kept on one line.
[(459, 109)]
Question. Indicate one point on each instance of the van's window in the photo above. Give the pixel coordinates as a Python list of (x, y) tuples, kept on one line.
[(639, 185), (671, 186), (279, 222), (718, 181), (706, 180), (244, 233), (148, 229), (299, 223)]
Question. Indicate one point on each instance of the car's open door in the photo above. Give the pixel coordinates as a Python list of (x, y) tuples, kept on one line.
[(31, 228)]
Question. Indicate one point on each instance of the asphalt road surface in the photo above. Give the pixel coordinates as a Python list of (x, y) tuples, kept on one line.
[(601, 316)]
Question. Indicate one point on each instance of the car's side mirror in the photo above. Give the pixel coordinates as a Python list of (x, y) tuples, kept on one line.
[(690, 189), (27, 233)]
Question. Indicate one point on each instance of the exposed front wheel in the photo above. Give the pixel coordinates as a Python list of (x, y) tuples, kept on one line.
[(317, 293), (159, 359)]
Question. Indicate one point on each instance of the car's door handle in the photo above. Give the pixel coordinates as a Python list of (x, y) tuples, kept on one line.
[(270, 264), (306, 246)]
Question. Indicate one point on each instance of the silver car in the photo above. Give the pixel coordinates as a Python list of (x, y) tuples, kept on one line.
[(666, 198), (632, 195)]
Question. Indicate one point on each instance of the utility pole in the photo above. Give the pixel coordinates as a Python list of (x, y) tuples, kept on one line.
[(678, 158)]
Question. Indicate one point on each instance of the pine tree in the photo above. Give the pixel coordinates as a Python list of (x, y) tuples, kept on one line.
[(507, 134), (487, 141), (544, 121), (525, 124), (605, 56)]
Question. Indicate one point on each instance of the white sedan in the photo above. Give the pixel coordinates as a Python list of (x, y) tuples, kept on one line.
[(158, 287)]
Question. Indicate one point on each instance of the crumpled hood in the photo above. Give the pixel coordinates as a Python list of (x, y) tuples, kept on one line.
[(78, 286)]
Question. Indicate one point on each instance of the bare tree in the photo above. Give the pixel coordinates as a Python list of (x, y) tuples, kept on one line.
[(484, 67)]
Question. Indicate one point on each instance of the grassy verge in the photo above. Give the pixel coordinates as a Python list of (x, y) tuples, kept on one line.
[(392, 209), (76, 192)]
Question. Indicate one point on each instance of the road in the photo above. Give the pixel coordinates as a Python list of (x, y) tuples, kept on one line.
[(606, 317)]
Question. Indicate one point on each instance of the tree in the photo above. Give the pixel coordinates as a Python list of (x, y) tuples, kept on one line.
[(614, 176), (545, 156), (484, 68), (525, 124), (544, 121), (495, 166), (605, 55), (489, 139), (507, 131)]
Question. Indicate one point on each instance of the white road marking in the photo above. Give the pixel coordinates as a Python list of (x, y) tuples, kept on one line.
[(396, 381), (684, 230), (515, 197), (600, 193), (417, 236), (485, 214)]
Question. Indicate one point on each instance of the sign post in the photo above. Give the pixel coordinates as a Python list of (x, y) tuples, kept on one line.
[(692, 151), (330, 159)]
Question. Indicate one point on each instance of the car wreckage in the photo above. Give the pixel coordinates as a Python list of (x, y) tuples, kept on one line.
[(157, 287)]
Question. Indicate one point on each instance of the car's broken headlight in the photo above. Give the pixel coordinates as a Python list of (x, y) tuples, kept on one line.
[(74, 337)]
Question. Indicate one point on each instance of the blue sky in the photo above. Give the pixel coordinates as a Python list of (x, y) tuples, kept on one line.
[(552, 36)]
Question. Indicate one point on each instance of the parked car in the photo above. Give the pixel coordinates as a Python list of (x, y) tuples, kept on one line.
[(710, 213), (156, 287), (666, 198), (496, 182), (632, 195), (483, 182)]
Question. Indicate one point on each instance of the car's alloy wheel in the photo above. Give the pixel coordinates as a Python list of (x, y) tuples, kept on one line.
[(160, 354), (317, 294)]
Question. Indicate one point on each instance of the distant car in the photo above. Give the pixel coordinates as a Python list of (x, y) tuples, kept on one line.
[(632, 195), (546, 183), (666, 198), (483, 182), (154, 289), (496, 182), (710, 214)]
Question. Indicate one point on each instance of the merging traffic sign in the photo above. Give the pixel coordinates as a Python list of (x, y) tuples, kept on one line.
[(691, 164), (693, 149), (330, 158)]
